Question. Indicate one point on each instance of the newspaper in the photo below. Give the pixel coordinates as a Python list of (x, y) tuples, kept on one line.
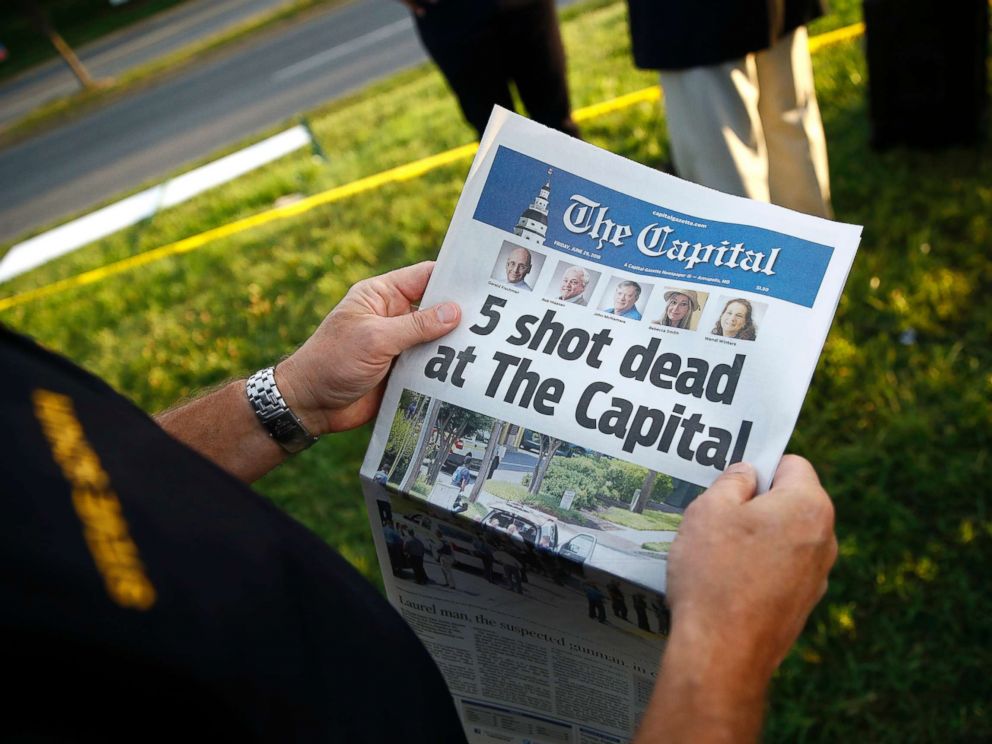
[(625, 337)]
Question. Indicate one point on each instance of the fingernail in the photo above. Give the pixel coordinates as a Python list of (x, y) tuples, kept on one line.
[(744, 468), (446, 312)]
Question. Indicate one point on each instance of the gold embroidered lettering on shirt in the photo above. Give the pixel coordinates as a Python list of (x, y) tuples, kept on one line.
[(97, 505)]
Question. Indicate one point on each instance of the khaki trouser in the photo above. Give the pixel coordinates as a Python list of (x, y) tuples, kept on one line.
[(752, 127)]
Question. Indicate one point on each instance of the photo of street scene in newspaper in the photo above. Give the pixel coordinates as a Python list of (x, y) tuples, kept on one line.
[(529, 645), (457, 560), (624, 338), (547, 496)]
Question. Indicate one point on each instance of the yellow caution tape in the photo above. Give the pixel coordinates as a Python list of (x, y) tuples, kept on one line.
[(616, 104), (370, 183), (835, 37), (394, 175)]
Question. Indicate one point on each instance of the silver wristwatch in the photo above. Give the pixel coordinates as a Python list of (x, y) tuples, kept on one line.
[(283, 425)]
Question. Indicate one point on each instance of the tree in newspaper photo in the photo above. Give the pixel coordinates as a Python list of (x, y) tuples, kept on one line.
[(550, 497)]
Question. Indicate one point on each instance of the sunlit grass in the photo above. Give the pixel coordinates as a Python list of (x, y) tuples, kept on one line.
[(648, 520)]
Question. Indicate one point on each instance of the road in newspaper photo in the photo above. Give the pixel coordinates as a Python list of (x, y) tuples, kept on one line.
[(625, 337), (531, 644), (551, 497)]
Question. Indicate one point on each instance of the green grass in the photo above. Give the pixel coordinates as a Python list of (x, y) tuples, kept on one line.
[(421, 488), (897, 424), (476, 512), (657, 547), (519, 494), (649, 520), (506, 491)]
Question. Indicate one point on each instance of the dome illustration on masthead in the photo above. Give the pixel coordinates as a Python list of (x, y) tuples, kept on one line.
[(533, 223)]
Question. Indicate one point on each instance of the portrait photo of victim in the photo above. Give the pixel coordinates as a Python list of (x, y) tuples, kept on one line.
[(625, 298), (682, 308), (572, 284), (517, 267), (739, 318)]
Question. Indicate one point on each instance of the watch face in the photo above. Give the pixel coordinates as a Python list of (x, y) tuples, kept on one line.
[(289, 432), (278, 420), (284, 428)]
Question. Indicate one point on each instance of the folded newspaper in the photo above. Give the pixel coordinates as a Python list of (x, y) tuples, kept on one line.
[(625, 337)]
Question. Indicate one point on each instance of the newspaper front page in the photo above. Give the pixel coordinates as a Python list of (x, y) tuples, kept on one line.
[(625, 337)]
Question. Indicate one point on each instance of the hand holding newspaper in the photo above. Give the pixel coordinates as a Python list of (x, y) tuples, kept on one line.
[(626, 336)]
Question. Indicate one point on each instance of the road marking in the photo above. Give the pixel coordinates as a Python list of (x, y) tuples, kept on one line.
[(145, 204), (317, 60)]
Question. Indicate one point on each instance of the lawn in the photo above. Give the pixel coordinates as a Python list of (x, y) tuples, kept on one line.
[(897, 419), (657, 547), (648, 520), (520, 494)]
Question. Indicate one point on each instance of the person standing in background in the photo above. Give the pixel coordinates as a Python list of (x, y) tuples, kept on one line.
[(414, 550), (617, 600), (493, 466), (484, 45), (459, 479), (446, 558), (597, 610), (394, 545), (481, 549), (739, 97), (641, 608)]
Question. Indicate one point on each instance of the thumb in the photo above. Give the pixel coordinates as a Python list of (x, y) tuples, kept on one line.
[(404, 331), (737, 483)]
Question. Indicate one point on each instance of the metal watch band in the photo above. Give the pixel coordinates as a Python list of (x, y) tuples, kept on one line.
[(283, 425)]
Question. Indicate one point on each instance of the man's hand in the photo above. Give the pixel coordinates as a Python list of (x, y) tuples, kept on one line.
[(743, 575), (335, 380), (752, 569)]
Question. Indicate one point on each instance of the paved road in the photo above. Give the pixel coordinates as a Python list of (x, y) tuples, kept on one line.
[(162, 34), (187, 117)]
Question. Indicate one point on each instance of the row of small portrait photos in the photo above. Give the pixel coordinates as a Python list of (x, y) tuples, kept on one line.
[(520, 268)]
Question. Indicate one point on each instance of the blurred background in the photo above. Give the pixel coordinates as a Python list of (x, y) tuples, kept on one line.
[(198, 274)]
